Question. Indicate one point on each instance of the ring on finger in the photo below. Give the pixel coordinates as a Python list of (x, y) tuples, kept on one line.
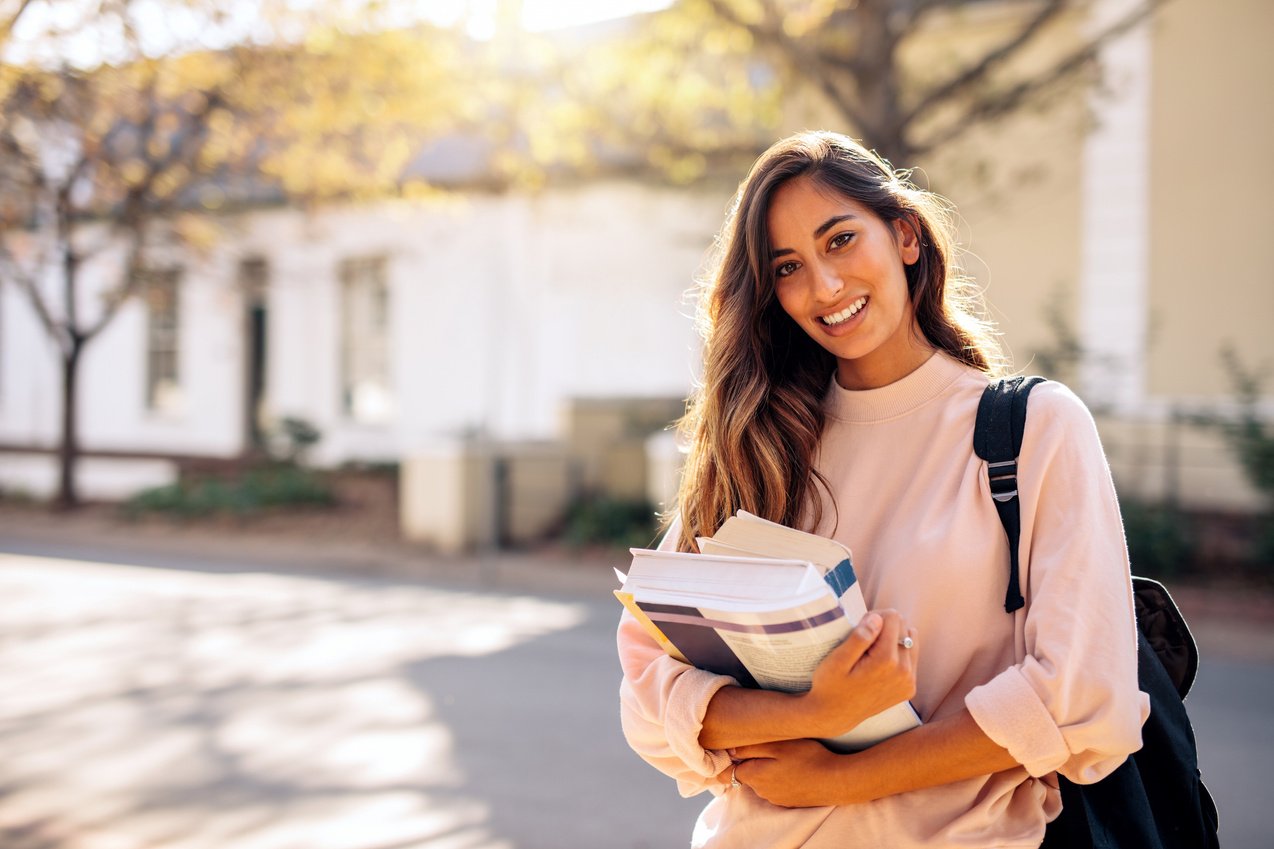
[(734, 778), (906, 642)]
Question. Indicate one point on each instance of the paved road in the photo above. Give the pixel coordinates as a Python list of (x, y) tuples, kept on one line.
[(217, 705)]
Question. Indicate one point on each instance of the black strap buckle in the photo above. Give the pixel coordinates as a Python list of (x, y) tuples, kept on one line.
[(1003, 480)]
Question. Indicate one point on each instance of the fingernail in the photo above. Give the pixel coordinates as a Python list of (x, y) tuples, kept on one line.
[(871, 623)]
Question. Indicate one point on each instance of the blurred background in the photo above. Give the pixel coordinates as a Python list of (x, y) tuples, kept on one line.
[(340, 342)]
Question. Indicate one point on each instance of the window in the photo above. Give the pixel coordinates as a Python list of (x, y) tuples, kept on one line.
[(163, 339), (365, 392)]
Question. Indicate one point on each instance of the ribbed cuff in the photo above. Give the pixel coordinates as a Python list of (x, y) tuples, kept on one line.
[(691, 693), (1009, 711)]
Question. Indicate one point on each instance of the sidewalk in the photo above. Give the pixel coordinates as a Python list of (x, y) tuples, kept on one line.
[(337, 545), (1233, 622)]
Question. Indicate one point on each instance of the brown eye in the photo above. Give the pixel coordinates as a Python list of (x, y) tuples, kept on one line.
[(786, 269), (840, 240)]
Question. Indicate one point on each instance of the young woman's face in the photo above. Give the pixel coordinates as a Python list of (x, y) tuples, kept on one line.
[(839, 273)]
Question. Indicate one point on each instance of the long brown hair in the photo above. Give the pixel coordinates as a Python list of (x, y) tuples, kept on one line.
[(754, 422)]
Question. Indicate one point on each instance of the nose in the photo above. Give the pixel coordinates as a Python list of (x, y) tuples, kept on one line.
[(827, 283)]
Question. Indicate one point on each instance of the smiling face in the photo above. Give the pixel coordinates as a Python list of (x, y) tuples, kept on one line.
[(839, 273)]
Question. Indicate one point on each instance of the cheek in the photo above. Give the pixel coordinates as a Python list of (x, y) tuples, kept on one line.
[(788, 300)]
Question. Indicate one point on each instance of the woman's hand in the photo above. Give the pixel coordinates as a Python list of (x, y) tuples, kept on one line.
[(862, 676), (791, 773), (858, 679)]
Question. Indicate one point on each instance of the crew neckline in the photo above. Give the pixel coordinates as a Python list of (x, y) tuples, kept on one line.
[(895, 399)]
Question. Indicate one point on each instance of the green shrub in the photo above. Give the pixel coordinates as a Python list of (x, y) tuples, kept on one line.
[(1263, 548), (1249, 436), (1160, 540), (277, 485), (600, 520)]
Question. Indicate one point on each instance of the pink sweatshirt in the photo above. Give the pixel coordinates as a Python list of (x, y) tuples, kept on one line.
[(1055, 683)]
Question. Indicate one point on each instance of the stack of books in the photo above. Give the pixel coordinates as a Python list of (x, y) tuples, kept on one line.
[(761, 602)]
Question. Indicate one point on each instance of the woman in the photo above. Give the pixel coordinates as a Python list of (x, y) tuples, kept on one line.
[(843, 368)]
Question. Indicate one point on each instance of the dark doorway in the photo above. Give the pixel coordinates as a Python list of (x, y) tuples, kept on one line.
[(253, 277)]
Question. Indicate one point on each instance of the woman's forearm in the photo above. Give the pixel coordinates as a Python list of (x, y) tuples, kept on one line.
[(802, 773), (739, 716), (940, 752)]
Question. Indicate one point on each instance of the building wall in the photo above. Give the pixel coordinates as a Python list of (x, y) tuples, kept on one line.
[(1212, 178), (1021, 228), (113, 370), (502, 307)]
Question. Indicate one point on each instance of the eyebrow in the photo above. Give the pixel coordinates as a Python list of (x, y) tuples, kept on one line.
[(822, 228)]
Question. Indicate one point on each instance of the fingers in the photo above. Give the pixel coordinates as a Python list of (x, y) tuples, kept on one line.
[(910, 657), (876, 635), (868, 628), (886, 646), (891, 631), (859, 640), (889, 652)]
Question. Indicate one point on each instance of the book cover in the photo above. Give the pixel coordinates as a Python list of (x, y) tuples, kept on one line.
[(760, 602)]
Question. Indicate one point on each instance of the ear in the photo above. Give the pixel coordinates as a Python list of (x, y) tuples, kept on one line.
[(907, 231)]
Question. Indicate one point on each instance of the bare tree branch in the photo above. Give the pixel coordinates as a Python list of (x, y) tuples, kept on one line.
[(131, 278), (139, 207), (805, 61), (1006, 101), (988, 63), (28, 285)]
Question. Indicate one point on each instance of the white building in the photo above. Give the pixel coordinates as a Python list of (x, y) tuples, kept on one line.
[(386, 326)]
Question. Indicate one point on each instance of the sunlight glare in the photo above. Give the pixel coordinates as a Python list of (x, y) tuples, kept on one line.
[(540, 15), (546, 15)]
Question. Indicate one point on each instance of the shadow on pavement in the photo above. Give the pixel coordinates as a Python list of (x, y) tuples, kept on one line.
[(536, 731)]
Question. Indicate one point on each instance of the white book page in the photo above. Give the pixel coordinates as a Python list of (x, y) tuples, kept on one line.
[(781, 652), (761, 578), (852, 601), (751, 531)]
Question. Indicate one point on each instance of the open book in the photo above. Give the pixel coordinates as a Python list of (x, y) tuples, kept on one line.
[(761, 602)]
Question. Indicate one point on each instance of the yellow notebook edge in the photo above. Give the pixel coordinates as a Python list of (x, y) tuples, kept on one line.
[(630, 604)]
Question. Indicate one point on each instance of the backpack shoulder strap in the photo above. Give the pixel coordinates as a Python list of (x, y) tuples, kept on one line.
[(997, 439)]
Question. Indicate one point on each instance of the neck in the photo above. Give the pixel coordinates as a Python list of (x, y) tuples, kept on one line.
[(875, 372)]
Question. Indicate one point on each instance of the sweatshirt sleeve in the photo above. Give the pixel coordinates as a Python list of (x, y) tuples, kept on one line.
[(1072, 705), (662, 705)]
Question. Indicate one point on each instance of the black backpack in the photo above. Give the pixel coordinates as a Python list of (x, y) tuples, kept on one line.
[(1156, 798)]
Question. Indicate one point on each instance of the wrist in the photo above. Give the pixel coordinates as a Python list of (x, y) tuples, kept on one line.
[(818, 718), (842, 776)]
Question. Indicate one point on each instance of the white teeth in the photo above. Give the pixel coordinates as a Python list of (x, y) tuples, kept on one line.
[(845, 314)]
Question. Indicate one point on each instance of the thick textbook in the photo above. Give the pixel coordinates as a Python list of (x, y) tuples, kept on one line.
[(761, 602)]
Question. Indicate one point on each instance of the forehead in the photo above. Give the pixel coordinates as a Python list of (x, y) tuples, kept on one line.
[(800, 206)]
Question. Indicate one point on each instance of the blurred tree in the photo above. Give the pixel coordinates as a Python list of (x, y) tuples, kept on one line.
[(701, 78), (120, 131)]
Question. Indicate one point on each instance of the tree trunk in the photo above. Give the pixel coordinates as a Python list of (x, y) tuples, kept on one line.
[(879, 89), (68, 451)]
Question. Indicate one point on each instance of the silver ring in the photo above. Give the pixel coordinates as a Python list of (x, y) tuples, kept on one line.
[(906, 642), (734, 778)]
